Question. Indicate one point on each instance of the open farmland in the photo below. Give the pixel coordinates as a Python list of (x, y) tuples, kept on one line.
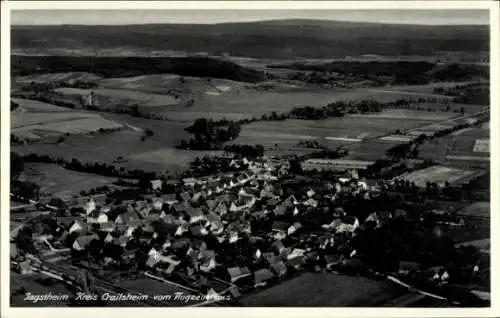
[(117, 97), (60, 182), (325, 290), (39, 124), (470, 144), (331, 132), (156, 152), (36, 106), (441, 175)]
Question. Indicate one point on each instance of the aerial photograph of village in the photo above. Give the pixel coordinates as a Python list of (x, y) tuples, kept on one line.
[(251, 158)]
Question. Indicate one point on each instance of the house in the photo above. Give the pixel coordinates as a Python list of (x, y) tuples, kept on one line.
[(97, 217), (278, 246), (311, 202), (121, 241), (262, 276), (279, 268), (194, 215), (24, 268), (185, 196), (296, 252), (156, 184), (90, 206), (237, 273), (310, 193), (131, 227), (215, 223), (244, 201), (82, 242), (294, 228), (232, 236), (240, 226), (77, 226), (167, 264), (107, 226), (109, 238), (190, 182), (220, 208), (279, 230), (296, 261), (127, 217), (207, 260), (372, 217), (170, 198)]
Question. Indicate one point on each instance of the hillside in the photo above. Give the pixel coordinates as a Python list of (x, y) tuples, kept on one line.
[(110, 67), (270, 39)]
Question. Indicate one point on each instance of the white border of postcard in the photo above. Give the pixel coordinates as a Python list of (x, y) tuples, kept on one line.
[(7, 311)]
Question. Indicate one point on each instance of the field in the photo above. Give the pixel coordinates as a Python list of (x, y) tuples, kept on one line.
[(440, 175), (324, 290), (156, 153), (334, 132), (35, 120), (476, 209), (60, 182), (36, 106), (470, 144), (119, 97)]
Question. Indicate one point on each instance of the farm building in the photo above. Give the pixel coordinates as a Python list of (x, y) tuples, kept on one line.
[(335, 164)]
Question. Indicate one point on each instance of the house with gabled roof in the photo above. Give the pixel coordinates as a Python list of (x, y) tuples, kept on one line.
[(82, 242), (199, 230), (170, 198), (237, 273), (207, 260), (194, 215), (215, 224), (279, 230), (127, 217), (97, 216), (77, 226), (221, 208)]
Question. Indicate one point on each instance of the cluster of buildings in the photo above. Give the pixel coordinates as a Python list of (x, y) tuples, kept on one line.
[(223, 233)]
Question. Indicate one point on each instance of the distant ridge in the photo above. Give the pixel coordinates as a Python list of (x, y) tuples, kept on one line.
[(269, 39)]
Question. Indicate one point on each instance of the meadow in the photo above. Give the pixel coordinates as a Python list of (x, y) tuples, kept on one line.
[(325, 290), (35, 120), (60, 182), (441, 175), (333, 132), (153, 153)]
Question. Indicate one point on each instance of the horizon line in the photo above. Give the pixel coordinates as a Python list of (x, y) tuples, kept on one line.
[(253, 21)]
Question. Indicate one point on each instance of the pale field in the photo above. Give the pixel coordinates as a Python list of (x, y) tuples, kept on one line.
[(131, 97), (156, 153), (57, 77), (438, 174), (332, 132), (38, 124), (60, 182), (37, 106), (482, 145)]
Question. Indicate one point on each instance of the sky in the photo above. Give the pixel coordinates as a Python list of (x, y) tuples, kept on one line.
[(120, 17)]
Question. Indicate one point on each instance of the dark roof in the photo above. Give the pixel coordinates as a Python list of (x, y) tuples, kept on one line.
[(262, 275)]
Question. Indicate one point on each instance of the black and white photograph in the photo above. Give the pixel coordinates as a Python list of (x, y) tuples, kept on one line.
[(249, 158)]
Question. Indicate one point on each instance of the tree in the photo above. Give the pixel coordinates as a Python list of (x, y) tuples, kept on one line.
[(16, 165)]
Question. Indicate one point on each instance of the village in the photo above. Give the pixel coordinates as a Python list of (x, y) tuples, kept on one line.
[(235, 233)]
